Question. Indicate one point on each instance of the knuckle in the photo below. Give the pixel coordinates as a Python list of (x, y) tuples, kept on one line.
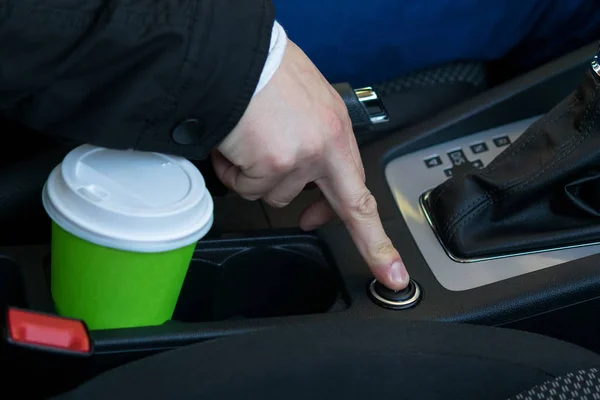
[(280, 163), (383, 247), (314, 149), (365, 206)]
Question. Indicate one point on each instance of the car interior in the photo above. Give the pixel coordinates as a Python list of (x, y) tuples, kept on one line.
[(257, 274)]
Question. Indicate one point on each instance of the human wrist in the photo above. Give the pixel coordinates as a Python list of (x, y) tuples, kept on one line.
[(276, 51)]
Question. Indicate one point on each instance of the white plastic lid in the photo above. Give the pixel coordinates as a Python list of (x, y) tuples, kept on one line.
[(129, 200)]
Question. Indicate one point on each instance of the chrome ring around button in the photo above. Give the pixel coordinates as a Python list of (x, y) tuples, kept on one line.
[(396, 305)]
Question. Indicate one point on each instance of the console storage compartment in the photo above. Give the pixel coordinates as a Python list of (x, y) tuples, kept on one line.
[(259, 278)]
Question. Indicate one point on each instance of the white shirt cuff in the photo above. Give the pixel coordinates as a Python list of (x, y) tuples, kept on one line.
[(276, 51)]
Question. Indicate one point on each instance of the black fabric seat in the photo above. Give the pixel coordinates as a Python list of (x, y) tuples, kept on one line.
[(580, 385), (349, 359)]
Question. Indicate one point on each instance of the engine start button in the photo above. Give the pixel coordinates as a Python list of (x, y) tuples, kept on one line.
[(395, 300)]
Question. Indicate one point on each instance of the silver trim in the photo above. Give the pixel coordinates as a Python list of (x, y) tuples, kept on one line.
[(380, 118), (596, 65), (368, 95), (409, 179), (404, 304), (458, 259)]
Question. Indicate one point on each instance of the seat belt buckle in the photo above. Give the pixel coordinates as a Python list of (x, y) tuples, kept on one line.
[(48, 333)]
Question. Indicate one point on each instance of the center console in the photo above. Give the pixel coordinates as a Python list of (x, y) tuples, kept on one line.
[(246, 281), (436, 164)]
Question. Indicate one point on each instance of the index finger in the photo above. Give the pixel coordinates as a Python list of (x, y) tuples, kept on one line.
[(352, 201)]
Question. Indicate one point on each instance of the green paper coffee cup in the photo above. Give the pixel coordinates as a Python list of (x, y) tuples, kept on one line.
[(124, 228)]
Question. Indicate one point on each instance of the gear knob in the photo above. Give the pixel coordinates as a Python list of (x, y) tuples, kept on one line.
[(395, 300)]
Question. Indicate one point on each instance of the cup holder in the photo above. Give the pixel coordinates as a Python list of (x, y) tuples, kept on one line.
[(259, 278)]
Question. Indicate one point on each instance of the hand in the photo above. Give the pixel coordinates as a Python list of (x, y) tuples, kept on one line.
[(295, 131)]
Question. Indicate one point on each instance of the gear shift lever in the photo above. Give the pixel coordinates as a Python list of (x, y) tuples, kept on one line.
[(541, 193)]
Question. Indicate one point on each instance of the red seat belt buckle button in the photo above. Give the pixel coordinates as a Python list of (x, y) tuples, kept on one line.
[(47, 332)]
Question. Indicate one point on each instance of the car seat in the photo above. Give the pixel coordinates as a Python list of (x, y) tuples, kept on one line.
[(360, 358)]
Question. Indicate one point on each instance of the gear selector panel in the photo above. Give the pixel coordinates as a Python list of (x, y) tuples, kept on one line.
[(411, 177)]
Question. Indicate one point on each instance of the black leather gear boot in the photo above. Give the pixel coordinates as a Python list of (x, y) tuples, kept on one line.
[(542, 192)]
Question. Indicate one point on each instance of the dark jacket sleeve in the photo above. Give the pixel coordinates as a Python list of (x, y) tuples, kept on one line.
[(173, 76)]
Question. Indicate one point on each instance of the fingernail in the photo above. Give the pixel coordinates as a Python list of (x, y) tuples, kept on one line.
[(309, 228), (399, 273)]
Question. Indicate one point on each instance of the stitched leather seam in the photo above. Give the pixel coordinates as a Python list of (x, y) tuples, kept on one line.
[(501, 161), (580, 139), (486, 196)]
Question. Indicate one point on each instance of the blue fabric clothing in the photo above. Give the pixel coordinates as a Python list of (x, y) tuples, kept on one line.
[(367, 41)]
